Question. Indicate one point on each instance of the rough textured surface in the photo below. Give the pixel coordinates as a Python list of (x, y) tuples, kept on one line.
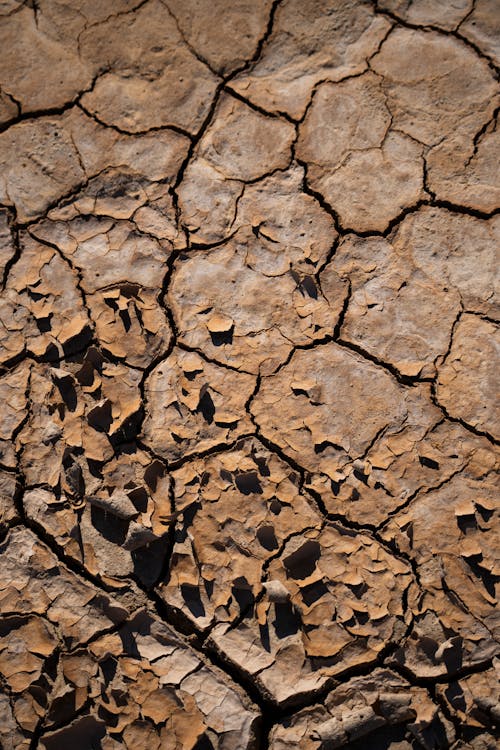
[(249, 373), (365, 709), (57, 660), (308, 44)]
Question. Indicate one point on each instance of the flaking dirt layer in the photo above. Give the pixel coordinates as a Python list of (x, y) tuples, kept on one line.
[(249, 374)]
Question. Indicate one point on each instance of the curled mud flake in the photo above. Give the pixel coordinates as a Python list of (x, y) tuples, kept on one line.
[(401, 463), (194, 405), (452, 535), (166, 688), (109, 507), (344, 605), (363, 470), (374, 709), (247, 365), (130, 324), (475, 700), (119, 265), (467, 376), (13, 394), (236, 510), (34, 582), (48, 323), (270, 313), (94, 406), (91, 670), (308, 45), (27, 642)]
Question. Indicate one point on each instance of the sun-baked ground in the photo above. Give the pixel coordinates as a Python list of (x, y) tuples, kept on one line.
[(249, 373)]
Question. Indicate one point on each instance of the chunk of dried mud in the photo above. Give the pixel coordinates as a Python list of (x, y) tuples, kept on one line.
[(237, 509), (367, 710), (310, 44), (272, 308), (194, 405), (344, 606), (468, 374), (169, 692), (451, 534)]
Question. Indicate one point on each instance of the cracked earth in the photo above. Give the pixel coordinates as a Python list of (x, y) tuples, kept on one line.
[(248, 367)]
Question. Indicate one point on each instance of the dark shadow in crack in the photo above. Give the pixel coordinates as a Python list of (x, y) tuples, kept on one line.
[(287, 620), (111, 527), (85, 733), (191, 595), (222, 337), (248, 483), (149, 560), (206, 407)]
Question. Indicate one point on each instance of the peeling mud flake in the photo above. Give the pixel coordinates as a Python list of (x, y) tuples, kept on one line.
[(475, 700), (195, 405), (48, 322), (248, 370), (103, 501), (452, 534), (344, 605), (383, 710), (166, 688), (272, 309), (237, 510), (72, 654)]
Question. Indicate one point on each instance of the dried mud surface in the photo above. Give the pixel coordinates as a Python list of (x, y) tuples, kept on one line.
[(249, 374)]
